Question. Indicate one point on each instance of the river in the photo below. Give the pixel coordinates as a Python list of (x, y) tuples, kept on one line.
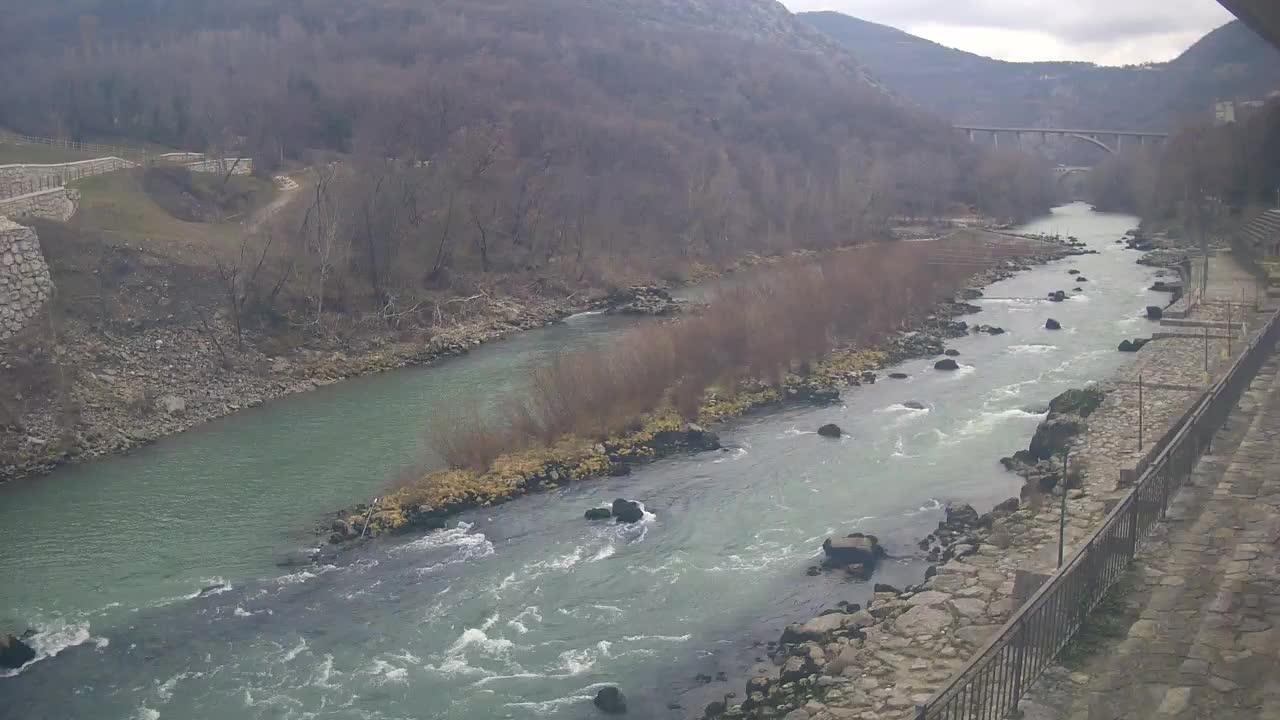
[(521, 610)]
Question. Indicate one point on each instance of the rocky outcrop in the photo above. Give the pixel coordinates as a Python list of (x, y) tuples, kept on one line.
[(641, 300), (1058, 295), (14, 653), (946, 364), (1077, 401), (1133, 345), (1154, 312), (598, 513), (1052, 324)]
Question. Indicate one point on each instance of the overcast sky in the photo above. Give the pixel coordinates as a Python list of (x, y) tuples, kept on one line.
[(1107, 32)]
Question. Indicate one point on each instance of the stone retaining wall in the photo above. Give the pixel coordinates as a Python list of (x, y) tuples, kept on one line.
[(56, 204), (25, 179), (25, 285)]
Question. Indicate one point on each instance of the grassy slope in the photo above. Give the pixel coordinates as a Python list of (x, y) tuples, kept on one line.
[(13, 154), (117, 204)]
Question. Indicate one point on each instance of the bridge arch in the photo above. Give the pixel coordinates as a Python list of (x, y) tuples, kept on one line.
[(1094, 140)]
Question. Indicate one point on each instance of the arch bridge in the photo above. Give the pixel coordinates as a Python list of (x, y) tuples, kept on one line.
[(1094, 137)]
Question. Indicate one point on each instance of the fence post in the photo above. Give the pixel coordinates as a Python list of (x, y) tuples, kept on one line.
[(1133, 525)]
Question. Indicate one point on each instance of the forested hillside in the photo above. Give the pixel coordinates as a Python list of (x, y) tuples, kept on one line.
[(1230, 63), (525, 135)]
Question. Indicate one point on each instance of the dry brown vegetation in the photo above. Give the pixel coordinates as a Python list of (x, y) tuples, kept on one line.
[(1237, 164), (762, 330)]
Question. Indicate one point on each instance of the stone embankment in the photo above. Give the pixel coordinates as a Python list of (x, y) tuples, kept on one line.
[(25, 285), (57, 204), (880, 662)]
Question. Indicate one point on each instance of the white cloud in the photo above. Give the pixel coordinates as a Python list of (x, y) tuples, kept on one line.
[(1108, 32)]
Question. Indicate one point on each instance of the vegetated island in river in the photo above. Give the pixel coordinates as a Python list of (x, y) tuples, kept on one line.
[(799, 333)]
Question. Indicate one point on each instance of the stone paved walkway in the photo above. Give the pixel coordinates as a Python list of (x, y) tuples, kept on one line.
[(1206, 639)]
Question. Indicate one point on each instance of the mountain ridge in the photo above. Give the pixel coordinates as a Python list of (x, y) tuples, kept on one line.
[(1228, 63)]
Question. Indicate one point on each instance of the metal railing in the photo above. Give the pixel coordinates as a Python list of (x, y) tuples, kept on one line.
[(123, 151), (995, 679)]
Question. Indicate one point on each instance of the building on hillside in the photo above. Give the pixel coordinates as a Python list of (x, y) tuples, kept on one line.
[(1224, 112)]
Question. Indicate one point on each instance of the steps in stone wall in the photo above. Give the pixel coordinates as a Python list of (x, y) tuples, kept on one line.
[(1263, 231)]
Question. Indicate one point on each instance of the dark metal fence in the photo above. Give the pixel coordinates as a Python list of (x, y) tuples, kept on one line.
[(993, 682)]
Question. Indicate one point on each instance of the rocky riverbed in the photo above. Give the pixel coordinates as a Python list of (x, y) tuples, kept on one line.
[(880, 662)]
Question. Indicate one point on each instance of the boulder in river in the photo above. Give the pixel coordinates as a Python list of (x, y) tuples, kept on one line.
[(950, 352), (14, 653), (600, 513), (830, 430), (1154, 312), (1073, 271), (627, 511), (855, 549), (913, 405), (946, 364), (611, 701), (1052, 324), (1077, 289), (898, 376), (1081, 279), (1058, 295)]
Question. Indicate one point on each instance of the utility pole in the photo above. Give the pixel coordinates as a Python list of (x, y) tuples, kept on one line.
[(1062, 512)]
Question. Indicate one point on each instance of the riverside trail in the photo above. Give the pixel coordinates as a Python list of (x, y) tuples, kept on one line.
[(155, 573)]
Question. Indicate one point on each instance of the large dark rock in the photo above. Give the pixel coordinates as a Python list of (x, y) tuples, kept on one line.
[(830, 430), (693, 438), (961, 516), (627, 511), (949, 352), (1154, 312), (1006, 507), (913, 405), (1058, 295), (1077, 401), (946, 364), (1052, 324), (611, 701), (600, 513), (1054, 436), (1081, 279), (898, 376), (14, 653), (1073, 271), (855, 549)]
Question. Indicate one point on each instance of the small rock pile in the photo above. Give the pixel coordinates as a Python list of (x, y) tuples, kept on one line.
[(641, 300)]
